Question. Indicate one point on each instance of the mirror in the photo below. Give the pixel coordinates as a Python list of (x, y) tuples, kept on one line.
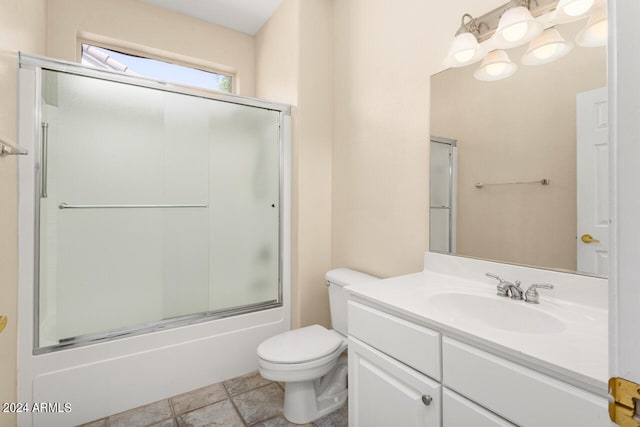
[(519, 167)]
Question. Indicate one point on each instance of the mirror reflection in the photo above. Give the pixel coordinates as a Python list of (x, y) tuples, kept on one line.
[(519, 167)]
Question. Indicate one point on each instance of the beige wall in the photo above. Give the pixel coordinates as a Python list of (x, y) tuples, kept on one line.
[(277, 55), (134, 24), (384, 53), (313, 161), (22, 28), (293, 65), (520, 128)]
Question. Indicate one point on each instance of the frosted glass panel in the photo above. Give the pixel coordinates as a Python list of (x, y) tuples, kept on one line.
[(245, 179), (439, 230), (440, 175), (170, 207)]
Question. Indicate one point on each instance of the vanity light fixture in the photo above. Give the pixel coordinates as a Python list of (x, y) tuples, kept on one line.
[(516, 27), (495, 66), (547, 47), (518, 22), (465, 48), (594, 33)]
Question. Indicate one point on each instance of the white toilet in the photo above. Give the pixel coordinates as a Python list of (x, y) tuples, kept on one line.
[(310, 360)]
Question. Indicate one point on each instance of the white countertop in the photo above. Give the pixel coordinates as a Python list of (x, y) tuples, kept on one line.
[(577, 354)]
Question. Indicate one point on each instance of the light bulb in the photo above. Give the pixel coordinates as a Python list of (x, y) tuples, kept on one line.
[(547, 51), (599, 30), (496, 69), (577, 7), (464, 55), (515, 32)]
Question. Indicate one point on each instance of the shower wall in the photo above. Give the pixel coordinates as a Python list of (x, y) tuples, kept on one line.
[(158, 205)]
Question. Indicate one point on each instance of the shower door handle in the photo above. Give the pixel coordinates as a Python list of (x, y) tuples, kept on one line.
[(44, 154)]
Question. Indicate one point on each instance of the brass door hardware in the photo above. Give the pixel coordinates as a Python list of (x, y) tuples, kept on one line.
[(588, 238), (625, 397), (3, 322)]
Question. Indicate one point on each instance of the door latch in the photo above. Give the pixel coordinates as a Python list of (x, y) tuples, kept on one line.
[(625, 396)]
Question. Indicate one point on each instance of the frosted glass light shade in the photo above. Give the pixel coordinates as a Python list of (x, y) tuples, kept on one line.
[(496, 66), (547, 47), (516, 27), (574, 8), (464, 50), (595, 32)]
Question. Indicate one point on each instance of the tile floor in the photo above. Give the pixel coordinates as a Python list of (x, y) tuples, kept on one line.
[(245, 401)]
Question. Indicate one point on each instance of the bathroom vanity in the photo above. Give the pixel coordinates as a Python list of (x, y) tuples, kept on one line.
[(441, 348)]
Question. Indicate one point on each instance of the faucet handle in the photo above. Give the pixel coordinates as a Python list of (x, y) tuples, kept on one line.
[(495, 276), (503, 286), (532, 296)]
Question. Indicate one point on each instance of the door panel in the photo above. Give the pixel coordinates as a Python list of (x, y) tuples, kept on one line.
[(384, 392), (593, 182)]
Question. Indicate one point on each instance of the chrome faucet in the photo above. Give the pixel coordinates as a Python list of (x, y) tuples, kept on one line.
[(507, 289), (532, 296)]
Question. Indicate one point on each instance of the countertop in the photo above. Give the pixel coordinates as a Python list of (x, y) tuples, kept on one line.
[(577, 354)]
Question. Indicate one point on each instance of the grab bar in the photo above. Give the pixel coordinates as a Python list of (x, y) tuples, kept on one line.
[(67, 206), (44, 160)]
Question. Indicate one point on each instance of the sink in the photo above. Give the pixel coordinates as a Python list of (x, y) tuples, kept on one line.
[(496, 312)]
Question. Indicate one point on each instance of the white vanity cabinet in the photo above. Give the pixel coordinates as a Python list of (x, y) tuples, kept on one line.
[(520, 394), (385, 389), (404, 374)]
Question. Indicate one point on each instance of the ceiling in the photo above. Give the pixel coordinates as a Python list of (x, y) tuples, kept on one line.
[(246, 16)]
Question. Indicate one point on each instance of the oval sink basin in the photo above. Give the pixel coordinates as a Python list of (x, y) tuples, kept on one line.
[(496, 312)]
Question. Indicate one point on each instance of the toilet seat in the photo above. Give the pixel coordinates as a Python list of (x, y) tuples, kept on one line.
[(309, 345)]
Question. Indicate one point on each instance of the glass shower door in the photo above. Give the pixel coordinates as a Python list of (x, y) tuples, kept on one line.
[(154, 205)]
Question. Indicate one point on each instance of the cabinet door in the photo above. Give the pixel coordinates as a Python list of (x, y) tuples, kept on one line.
[(460, 412), (384, 392)]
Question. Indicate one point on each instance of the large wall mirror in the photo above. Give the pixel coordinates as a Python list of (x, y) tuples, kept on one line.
[(519, 167)]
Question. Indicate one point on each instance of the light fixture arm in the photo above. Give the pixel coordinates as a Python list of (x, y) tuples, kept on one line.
[(470, 26)]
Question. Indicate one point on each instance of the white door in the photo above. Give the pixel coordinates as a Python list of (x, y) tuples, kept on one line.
[(624, 295), (384, 392), (592, 155)]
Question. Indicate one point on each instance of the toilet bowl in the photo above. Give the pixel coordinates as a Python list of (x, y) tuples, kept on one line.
[(312, 361), (301, 359)]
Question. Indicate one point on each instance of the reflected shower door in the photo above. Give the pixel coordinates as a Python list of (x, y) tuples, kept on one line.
[(442, 195)]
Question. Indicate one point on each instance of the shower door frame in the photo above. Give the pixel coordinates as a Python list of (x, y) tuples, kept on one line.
[(37, 64)]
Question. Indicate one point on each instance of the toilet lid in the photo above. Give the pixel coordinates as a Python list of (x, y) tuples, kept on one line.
[(300, 345)]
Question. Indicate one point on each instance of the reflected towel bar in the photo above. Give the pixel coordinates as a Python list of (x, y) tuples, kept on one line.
[(67, 206), (7, 149), (543, 181)]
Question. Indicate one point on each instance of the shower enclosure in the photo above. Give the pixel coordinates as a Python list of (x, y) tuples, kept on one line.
[(145, 206), (155, 208)]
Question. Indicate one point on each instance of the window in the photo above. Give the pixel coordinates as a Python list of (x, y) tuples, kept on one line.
[(99, 57)]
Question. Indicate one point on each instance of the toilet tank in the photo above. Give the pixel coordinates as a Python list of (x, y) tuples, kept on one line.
[(337, 280)]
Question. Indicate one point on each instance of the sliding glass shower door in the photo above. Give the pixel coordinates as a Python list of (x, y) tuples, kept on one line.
[(154, 205)]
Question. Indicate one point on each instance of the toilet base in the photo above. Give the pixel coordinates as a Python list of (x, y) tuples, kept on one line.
[(306, 401)]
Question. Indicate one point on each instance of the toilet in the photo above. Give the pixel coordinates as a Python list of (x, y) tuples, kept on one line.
[(310, 361)]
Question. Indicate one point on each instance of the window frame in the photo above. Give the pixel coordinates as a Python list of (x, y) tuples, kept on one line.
[(141, 51)]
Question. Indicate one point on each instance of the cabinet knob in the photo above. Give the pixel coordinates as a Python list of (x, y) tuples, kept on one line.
[(426, 399)]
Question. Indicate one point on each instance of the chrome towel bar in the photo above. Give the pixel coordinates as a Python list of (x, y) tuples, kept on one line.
[(68, 206), (543, 181)]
